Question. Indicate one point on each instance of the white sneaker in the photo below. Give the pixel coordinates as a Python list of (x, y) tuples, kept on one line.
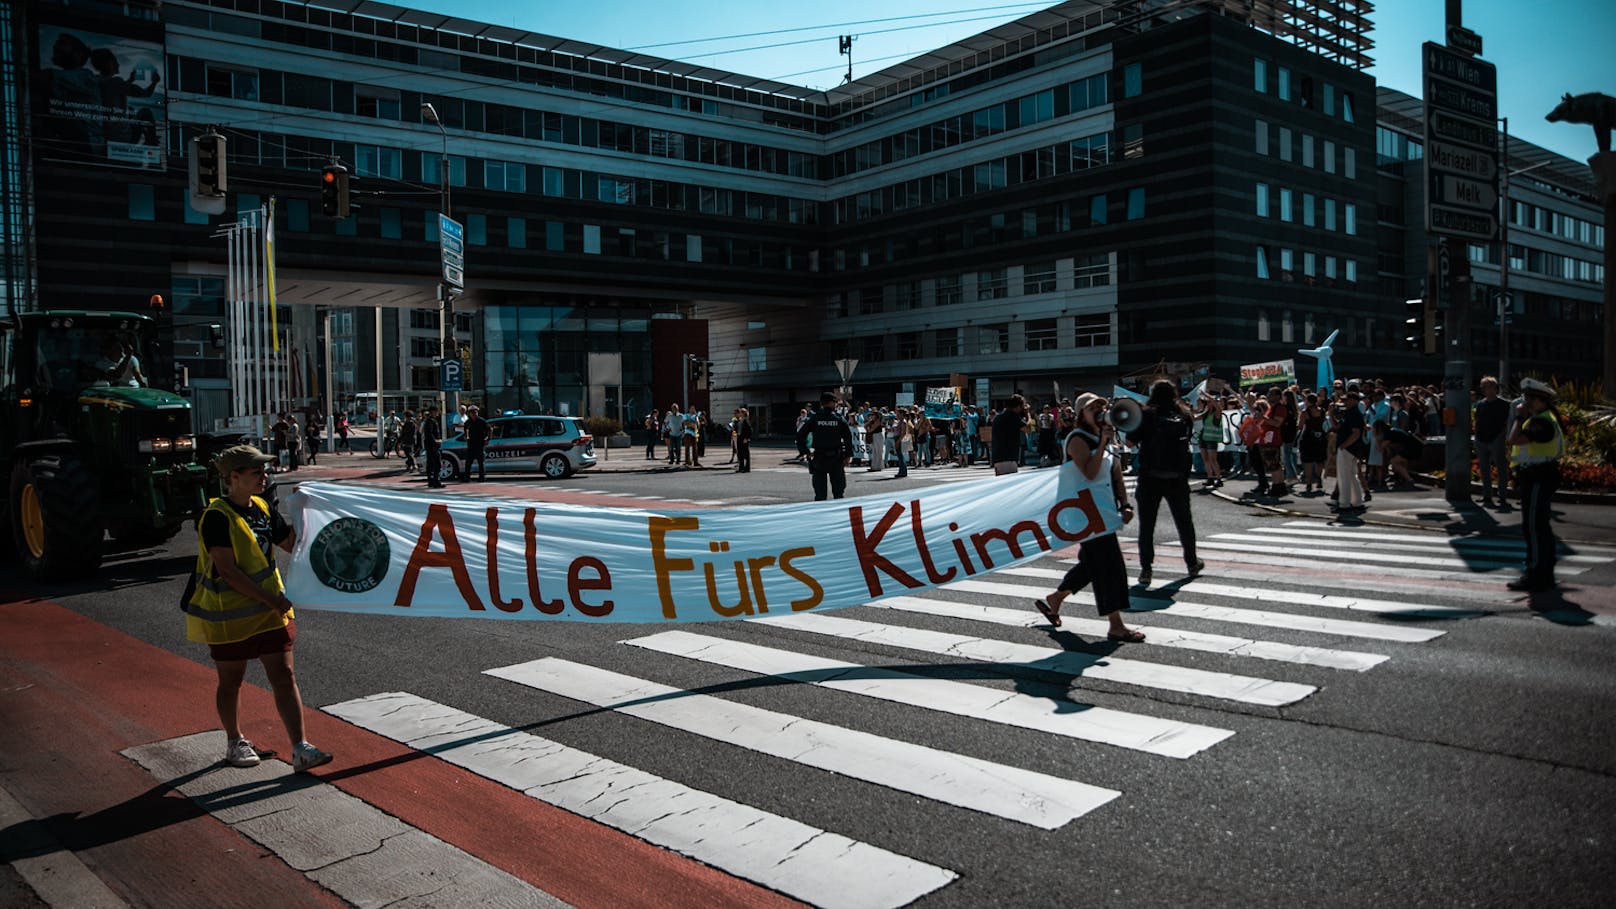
[(241, 753), (306, 757)]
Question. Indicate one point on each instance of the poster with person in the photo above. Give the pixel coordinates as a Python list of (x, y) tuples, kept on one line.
[(99, 98)]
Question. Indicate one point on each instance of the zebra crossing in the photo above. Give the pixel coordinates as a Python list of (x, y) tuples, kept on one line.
[(1227, 640)]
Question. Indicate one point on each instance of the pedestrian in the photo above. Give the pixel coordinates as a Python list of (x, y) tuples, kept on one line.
[(673, 427), (1397, 446), (311, 437), (342, 433), (477, 433), (875, 432), (277, 441), (408, 431), (903, 441), (742, 436), (1007, 442), (653, 428), (1273, 442), (1492, 421), (294, 441), (1537, 444), (1209, 435), (1351, 446), (1164, 473), (1099, 558), (690, 438), (432, 441), (1312, 444), (238, 606), (826, 442)]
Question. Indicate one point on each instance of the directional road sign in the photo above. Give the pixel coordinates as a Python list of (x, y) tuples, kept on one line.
[(1461, 141), (452, 247)]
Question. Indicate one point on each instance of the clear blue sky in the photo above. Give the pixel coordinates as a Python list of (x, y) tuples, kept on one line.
[(1543, 48)]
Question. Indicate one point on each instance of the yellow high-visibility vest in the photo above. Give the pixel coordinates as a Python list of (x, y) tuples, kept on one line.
[(217, 612), (1539, 452)]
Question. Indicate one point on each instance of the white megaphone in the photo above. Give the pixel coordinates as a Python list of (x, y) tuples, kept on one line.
[(1126, 414)]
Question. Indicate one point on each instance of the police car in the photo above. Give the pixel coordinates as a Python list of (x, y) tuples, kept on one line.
[(557, 447)]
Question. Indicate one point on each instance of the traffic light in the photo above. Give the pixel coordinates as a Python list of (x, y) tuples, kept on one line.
[(207, 166), (334, 191), (709, 367), (216, 336), (697, 371), (1414, 324)]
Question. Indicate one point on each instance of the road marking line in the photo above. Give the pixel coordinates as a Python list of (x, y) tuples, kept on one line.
[(813, 865), (352, 848), (1225, 686), (1159, 636), (1447, 544), (1027, 796), (1315, 563), (1261, 594), (1058, 716), (1251, 543)]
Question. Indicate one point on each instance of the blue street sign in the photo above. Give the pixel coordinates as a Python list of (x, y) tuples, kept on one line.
[(452, 247), (449, 374)]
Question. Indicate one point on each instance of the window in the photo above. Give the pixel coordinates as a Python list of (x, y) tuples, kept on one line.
[(1262, 261), (1090, 92), (224, 82), (1346, 107), (1036, 108), (432, 166), (1041, 334), (757, 359), (874, 349), (1284, 142), (516, 233), (1092, 271), (555, 236), (1133, 140), (906, 295), (1287, 262), (1307, 150), (1133, 80), (1093, 330), (1329, 156), (508, 176), (948, 290), (476, 230), (1329, 214), (1262, 200), (1287, 328), (392, 224), (993, 339), (376, 161), (992, 285), (1329, 267), (1285, 213), (1310, 264), (1329, 100), (1136, 203), (1352, 271), (1091, 151), (948, 342), (1097, 209), (1349, 163), (1308, 219), (592, 239), (693, 248), (554, 182), (1263, 330), (381, 103), (1259, 74), (1284, 83), (990, 175), (1039, 279), (142, 202), (1262, 137), (870, 301), (909, 345), (1350, 218)]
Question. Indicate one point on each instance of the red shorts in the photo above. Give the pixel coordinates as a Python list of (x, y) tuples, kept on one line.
[(265, 642)]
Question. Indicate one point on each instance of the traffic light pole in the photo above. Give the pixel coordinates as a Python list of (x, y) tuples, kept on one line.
[(1454, 283)]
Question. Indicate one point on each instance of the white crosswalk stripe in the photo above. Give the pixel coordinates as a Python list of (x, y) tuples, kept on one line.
[(1492, 546), (1170, 738), (814, 865), (1009, 792), (1260, 545), (1318, 561)]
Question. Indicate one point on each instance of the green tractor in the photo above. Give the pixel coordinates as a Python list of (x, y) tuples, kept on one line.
[(90, 451)]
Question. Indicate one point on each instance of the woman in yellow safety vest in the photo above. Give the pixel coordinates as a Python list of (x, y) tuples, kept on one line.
[(238, 606), (1536, 446)]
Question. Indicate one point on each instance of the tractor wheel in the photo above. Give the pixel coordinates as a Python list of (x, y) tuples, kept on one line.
[(55, 520)]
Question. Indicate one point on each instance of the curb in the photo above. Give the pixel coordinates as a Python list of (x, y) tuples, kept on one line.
[(1560, 495)]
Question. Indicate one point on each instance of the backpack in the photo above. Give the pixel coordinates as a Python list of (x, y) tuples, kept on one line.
[(1168, 448)]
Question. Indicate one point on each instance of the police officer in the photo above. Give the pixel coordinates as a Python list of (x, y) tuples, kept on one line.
[(827, 443), (1536, 446)]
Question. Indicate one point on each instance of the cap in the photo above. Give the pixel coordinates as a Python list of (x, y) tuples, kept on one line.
[(240, 457), (1534, 387)]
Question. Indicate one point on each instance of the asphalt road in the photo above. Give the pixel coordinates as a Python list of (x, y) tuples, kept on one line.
[(1474, 768)]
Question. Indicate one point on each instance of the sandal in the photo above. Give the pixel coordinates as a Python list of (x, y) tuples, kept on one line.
[(1052, 615), (1131, 637)]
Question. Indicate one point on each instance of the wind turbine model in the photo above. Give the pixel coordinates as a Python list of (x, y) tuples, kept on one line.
[(1323, 353)]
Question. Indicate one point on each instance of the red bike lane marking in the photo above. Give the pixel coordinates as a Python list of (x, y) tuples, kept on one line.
[(104, 691)]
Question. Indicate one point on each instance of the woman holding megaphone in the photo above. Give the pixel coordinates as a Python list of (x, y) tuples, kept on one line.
[(1099, 558)]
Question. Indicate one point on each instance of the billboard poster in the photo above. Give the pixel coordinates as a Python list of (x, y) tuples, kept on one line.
[(1282, 372), (943, 403), (99, 98)]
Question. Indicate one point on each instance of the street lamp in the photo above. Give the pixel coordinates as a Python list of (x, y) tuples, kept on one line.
[(446, 309)]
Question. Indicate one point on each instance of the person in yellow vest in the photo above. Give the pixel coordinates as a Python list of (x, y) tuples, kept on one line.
[(239, 608), (1536, 446)]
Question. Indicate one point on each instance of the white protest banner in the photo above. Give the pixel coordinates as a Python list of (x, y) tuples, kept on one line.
[(943, 403), (1281, 371), (380, 552)]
